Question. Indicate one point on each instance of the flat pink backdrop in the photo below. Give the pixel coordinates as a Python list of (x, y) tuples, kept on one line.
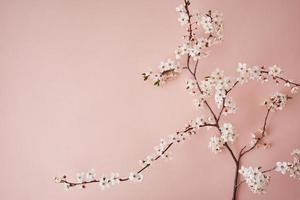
[(72, 97)]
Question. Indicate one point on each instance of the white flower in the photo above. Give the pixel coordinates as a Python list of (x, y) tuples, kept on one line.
[(66, 186), (242, 68), (114, 178), (180, 8), (183, 18), (162, 66), (228, 134), (217, 74), (173, 138), (198, 122), (159, 150), (206, 23), (199, 101), (190, 84), (243, 78), (201, 42), (135, 177), (181, 50), (168, 65), (230, 106), (255, 73), (80, 177), (216, 144), (255, 179), (57, 180), (104, 182), (167, 156), (274, 71), (194, 51), (219, 95), (207, 86), (227, 82), (91, 175), (282, 167), (294, 90), (183, 136)]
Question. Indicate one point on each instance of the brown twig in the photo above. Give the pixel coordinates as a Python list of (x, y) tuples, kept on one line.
[(73, 184)]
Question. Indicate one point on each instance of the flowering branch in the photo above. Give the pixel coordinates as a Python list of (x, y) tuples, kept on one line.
[(204, 31)]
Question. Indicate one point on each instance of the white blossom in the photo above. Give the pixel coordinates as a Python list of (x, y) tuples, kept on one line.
[(80, 177), (206, 23), (198, 122), (180, 8), (276, 102), (191, 85), (182, 50), (207, 86), (295, 90), (114, 179), (199, 102), (108, 181), (167, 156), (66, 186), (57, 180), (230, 106), (255, 73), (228, 134), (282, 167), (91, 175), (104, 182), (242, 68), (255, 179), (274, 71), (219, 96), (135, 177), (216, 144), (147, 161), (292, 168)]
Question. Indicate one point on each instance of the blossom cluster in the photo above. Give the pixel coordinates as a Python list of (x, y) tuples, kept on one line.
[(293, 168), (104, 181), (108, 181), (276, 102), (212, 25), (176, 138), (255, 178), (196, 45), (219, 85), (257, 73), (264, 74), (216, 143)]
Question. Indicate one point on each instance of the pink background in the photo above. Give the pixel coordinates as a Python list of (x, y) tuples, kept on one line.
[(72, 97)]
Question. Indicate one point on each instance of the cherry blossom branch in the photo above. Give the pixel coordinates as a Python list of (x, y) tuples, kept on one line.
[(265, 171), (190, 130), (218, 85), (186, 6), (281, 78)]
